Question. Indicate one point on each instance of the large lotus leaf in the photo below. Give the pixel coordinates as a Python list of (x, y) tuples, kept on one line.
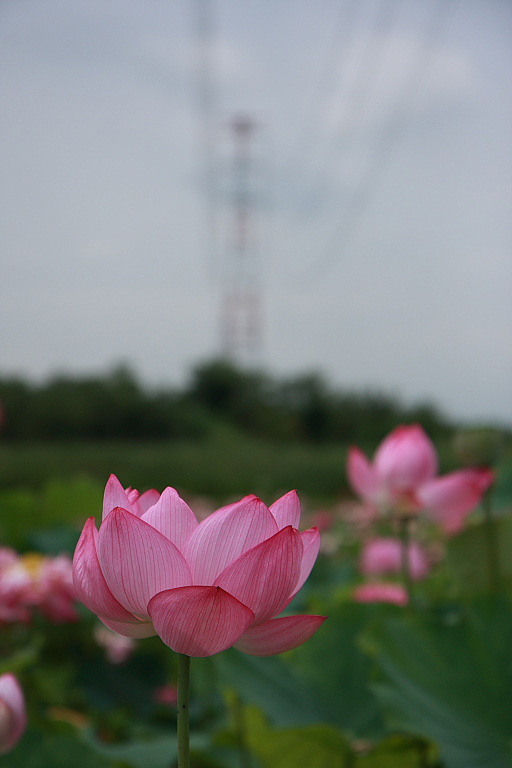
[(449, 679), (314, 746), (396, 752), (157, 751), (39, 750), (339, 670), (271, 684)]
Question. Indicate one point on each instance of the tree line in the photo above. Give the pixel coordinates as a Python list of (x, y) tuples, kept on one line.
[(117, 406)]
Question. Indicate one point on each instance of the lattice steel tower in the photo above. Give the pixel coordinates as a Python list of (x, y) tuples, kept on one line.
[(240, 320)]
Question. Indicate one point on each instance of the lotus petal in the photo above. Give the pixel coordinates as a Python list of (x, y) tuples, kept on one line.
[(199, 621), (138, 561), (279, 635)]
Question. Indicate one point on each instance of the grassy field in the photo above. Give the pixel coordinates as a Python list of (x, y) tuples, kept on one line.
[(218, 469), (52, 486)]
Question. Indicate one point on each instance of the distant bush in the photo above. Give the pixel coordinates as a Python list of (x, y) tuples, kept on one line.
[(116, 406)]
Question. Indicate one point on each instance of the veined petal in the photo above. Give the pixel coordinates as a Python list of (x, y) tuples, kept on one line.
[(264, 577), (286, 510), (225, 535), (145, 501), (279, 635), (89, 581), (199, 621), (449, 499), (361, 474), (138, 561), (115, 496), (172, 517), (12, 697), (136, 629), (311, 544)]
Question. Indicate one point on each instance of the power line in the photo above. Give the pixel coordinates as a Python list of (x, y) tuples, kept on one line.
[(335, 63), (241, 299), (205, 88), (360, 94), (391, 133)]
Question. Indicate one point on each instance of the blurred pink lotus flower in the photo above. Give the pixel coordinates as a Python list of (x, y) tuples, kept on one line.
[(403, 477), (35, 581), (55, 593), (167, 694), (380, 556), (202, 587), (13, 584), (323, 519), (13, 717), (374, 592), (118, 648)]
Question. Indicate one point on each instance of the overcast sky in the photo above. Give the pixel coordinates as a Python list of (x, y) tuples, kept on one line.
[(381, 189)]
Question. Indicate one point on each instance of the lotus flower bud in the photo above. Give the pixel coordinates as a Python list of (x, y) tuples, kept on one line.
[(13, 718)]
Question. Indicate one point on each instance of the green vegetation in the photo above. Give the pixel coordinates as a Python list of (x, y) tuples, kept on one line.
[(219, 395), (379, 686)]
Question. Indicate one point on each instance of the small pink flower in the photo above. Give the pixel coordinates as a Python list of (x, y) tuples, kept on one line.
[(35, 581), (202, 587), (381, 556), (381, 593), (403, 477), (57, 596), (323, 520), (167, 694), (14, 585), (117, 647), (13, 717)]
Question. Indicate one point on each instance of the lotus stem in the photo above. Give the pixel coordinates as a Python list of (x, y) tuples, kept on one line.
[(493, 560), (183, 711), (404, 523)]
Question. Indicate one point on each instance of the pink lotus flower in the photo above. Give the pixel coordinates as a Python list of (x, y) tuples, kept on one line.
[(13, 585), (202, 587), (374, 592), (403, 477), (54, 590), (167, 695), (117, 647), (380, 556), (13, 717), (35, 581)]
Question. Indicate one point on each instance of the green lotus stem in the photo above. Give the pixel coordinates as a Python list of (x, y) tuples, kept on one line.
[(404, 522), (493, 560), (183, 711)]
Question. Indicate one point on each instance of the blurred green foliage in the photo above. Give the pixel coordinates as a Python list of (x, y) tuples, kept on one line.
[(116, 406), (378, 687)]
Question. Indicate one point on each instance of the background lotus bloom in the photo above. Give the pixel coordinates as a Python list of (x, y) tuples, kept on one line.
[(381, 556), (13, 584), (395, 594), (118, 648), (13, 718), (202, 587), (167, 695), (450, 498), (403, 477), (35, 581)]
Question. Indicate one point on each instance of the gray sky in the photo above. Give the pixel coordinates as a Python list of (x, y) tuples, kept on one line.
[(382, 190)]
